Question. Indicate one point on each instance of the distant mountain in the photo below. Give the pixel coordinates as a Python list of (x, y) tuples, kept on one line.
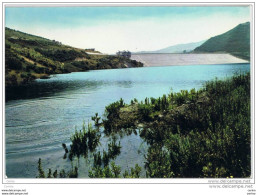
[(180, 48), (236, 42)]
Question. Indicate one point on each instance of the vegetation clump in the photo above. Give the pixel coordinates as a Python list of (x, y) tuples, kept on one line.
[(73, 173), (84, 141), (203, 133), (114, 171), (190, 134)]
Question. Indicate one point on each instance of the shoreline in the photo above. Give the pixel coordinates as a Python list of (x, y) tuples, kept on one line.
[(155, 62), (45, 77)]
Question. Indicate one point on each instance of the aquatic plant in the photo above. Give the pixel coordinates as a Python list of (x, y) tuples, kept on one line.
[(73, 173), (133, 173), (84, 141), (41, 173), (96, 119), (114, 171), (204, 133), (112, 152)]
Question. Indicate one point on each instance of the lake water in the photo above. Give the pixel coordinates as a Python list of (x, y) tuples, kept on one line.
[(43, 115)]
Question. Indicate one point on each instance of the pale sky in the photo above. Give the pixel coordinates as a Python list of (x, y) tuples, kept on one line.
[(109, 29)]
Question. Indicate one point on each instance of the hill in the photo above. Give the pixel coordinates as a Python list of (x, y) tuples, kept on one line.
[(236, 42), (179, 48), (28, 57)]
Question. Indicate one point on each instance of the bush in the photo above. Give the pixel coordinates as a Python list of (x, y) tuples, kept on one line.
[(203, 133), (144, 111), (217, 146), (13, 63), (84, 141)]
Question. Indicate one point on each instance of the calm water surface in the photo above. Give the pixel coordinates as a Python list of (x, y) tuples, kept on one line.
[(43, 115)]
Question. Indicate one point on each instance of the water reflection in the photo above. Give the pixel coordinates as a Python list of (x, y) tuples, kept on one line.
[(41, 89)]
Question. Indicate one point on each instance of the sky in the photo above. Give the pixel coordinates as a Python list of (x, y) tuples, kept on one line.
[(110, 29)]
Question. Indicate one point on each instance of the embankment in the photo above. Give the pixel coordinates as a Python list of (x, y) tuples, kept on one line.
[(185, 59)]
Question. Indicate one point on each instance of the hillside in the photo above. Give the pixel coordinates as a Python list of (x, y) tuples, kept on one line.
[(236, 42), (28, 57), (179, 48)]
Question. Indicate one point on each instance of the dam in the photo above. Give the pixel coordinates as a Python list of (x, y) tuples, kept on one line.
[(150, 59)]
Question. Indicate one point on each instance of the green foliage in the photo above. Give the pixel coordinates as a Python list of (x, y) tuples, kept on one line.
[(236, 41), (112, 114), (55, 174), (96, 119), (112, 153), (144, 111), (61, 55), (41, 57), (73, 66), (113, 149), (203, 133), (41, 173), (190, 134), (97, 159), (217, 146), (49, 175), (109, 62), (158, 164), (13, 63), (134, 172), (73, 173), (114, 171), (84, 141)]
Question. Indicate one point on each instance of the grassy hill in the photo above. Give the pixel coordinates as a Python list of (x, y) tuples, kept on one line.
[(236, 42), (28, 57)]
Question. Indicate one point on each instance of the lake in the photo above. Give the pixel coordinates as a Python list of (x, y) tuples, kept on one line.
[(41, 116)]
